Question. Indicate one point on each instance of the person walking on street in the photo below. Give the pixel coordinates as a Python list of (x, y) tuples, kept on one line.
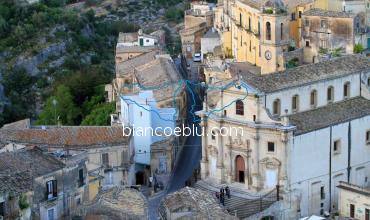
[(227, 189), (222, 198)]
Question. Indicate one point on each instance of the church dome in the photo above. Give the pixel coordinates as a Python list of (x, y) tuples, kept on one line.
[(274, 4)]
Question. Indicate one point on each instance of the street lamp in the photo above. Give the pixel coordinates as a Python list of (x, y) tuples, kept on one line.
[(55, 110)]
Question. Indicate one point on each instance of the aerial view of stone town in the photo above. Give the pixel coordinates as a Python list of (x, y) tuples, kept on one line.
[(184, 109)]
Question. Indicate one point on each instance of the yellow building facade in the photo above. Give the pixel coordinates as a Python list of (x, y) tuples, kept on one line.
[(254, 32)]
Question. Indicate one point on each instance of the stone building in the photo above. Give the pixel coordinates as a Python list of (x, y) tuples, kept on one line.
[(328, 33), (256, 32), (153, 98), (353, 201), (360, 8), (109, 159), (198, 19), (52, 189), (163, 154), (304, 129)]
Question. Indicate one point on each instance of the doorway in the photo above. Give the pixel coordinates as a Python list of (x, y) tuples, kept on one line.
[(352, 211), (139, 178), (367, 214), (240, 169)]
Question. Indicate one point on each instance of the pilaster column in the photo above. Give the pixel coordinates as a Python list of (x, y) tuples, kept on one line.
[(230, 163), (204, 161), (255, 162), (220, 158)]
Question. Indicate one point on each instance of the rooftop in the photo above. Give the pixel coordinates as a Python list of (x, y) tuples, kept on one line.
[(28, 159), (211, 34), (129, 65), (306, 74), (158, 73), (326, 13), (15, 182), (127, 37), (135, 49), (354, 188), (118, 203), (201, 204), (66, 136), (323, 117)]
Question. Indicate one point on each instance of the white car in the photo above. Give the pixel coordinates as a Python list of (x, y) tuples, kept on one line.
[(197, 57)]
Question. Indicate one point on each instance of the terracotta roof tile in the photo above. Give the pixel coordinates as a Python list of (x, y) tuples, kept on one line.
[(73, 136)]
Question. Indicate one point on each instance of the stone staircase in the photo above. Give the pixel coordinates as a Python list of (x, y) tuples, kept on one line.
[(239, 205)]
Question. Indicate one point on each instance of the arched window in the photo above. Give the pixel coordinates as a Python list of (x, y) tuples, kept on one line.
[(330, 95), (250, 23), (347, 90), (282, 31), (276, 107), (313, 99), (239, 107), (268, 31), (295, 103)]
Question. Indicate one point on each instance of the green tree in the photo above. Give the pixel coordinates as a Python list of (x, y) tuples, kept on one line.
[(19, 89), (100, 115), (63, 108)]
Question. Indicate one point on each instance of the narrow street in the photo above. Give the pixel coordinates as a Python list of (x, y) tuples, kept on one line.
[(190, 155)]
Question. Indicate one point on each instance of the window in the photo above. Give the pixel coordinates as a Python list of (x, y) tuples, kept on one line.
[(322, 193), (225, 113), (239, 107), (270, 146), (293, 16), (330, 95), (105, 159), (241, 40), (249, 23), (276, 107), (282, 31), (2, 209), (213, 135), (81, 179), (240, 19), (368, 137), (336, 147), (307, 43), (313, 98), (323, 23), (295, 103), (368, 81), (51, 189), (300, 14), (346, 90), (268, 31), (307, 22), (250, 45), (51, 214), (351, 210)]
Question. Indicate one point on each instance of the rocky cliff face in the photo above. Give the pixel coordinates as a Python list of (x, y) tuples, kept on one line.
[(30, 64)]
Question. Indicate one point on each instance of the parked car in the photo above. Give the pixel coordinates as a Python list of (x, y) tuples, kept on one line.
[(197, 57)]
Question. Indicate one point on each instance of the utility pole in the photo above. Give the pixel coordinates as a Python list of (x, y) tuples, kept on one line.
[(55, 110)]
